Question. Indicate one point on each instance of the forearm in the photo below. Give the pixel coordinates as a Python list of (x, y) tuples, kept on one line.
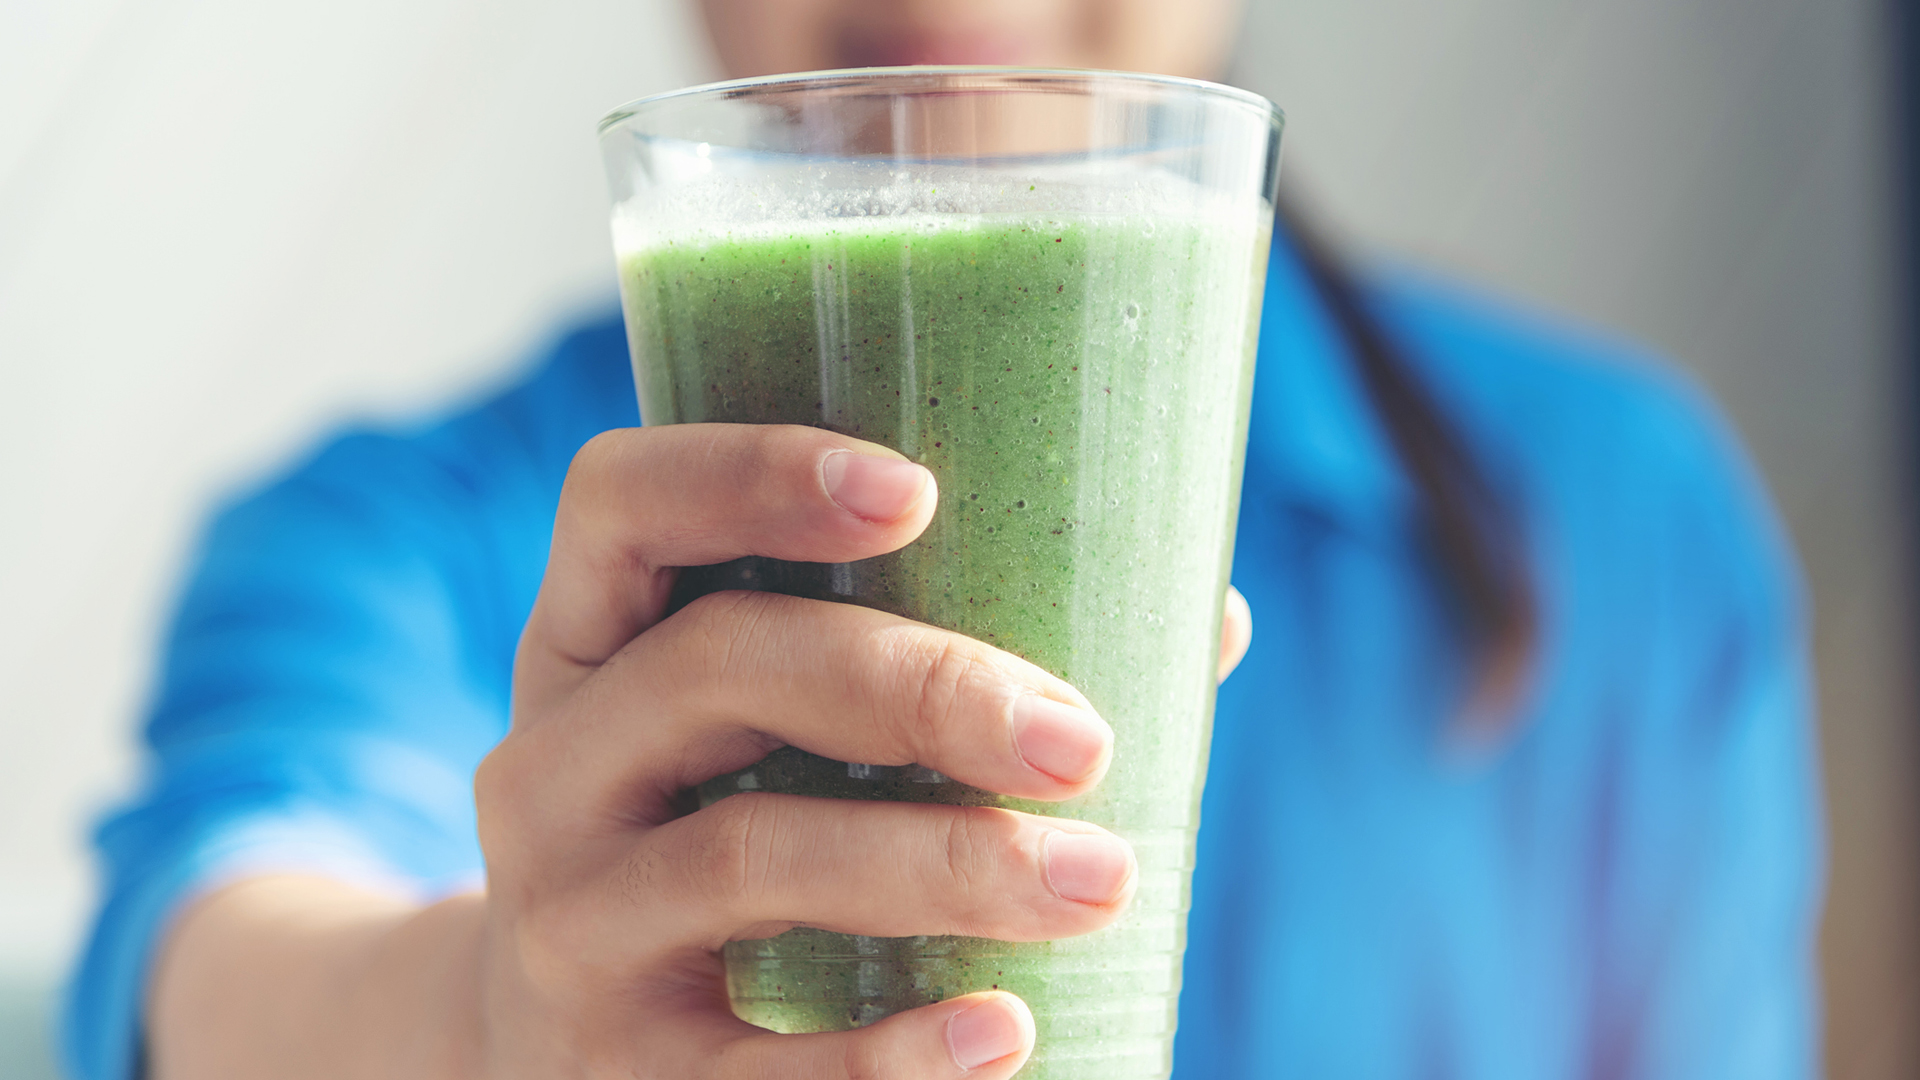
[(297, 977)]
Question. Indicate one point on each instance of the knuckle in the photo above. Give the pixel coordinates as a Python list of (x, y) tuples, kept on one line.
[(601, 450), (863, 1060), (946, 670), (642, 876), (761, 451), (976, 842), (752, 460), (495, 779), (598, 457), (590, 501), (730, 858), (502, 788), (724, 633), (726, 620)]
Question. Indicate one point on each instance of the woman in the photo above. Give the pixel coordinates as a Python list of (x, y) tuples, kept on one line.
[(1515, 781)]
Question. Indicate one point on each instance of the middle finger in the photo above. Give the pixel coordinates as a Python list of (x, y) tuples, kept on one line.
[(734, 675)]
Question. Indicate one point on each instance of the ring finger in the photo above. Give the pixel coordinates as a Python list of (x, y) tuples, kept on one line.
[(756, 865)]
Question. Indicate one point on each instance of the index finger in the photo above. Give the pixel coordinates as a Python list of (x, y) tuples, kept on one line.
[(639, 502)]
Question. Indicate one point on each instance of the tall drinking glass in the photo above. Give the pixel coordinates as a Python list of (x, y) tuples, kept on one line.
[(1045, 287)]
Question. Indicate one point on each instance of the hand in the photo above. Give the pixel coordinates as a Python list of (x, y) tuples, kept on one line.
[(594, 950), (606, 910)]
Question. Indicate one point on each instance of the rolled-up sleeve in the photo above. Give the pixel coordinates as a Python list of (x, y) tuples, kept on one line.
[(338, 664)]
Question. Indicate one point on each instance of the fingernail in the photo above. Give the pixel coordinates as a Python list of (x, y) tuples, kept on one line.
[(875, 488), (1092, 869), (987, 1032), (1066, 743)]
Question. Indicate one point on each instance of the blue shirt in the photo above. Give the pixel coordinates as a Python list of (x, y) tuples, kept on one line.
[(1626, 886)]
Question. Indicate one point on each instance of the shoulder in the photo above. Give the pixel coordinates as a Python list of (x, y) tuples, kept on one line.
[(1634, 487), (512, 439), (459, 501), (569, 390)]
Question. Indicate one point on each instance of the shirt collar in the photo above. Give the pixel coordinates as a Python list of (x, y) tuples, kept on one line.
[(1314, 438)]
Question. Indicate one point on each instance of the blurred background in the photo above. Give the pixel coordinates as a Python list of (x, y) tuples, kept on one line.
[(225, 226)]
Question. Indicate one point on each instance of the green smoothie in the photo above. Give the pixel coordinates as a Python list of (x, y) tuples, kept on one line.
[(1079, 386)]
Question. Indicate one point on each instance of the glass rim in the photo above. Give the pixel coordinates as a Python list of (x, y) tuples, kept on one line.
[(1011, 77)]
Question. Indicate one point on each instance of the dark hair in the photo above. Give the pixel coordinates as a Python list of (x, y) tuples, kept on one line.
[(1474, 534)]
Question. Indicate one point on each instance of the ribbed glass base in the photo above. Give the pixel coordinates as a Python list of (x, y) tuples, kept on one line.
[(1104, 1004)]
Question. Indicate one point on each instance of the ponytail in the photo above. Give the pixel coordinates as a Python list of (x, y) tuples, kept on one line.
[(1473, 533)]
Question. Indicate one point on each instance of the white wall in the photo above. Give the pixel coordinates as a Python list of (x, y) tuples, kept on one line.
[(223, 225)]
